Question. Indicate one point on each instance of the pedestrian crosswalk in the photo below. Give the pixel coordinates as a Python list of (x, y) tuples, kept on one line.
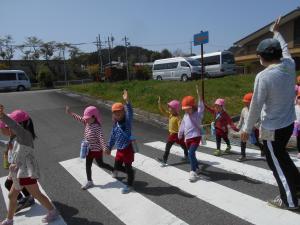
[(29, 216), (137, 208)]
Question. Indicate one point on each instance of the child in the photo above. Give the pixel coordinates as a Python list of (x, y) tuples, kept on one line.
[(93, 135), (174, 123), (191, 131), (25, 200), (222, 120), (24, 169), (297, 124), (243, 118), (121, 137)]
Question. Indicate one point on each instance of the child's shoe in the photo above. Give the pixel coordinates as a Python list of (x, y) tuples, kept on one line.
[(162, 162), (217, 152), (278, 203), (193, 176), (25, 203), (51, 216), (242, 159), (114, 174), (88, 185), (227, 150), (126, 189), (7, 222)]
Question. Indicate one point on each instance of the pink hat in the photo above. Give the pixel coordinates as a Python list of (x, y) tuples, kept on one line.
[(174, 104), (91, 111), (18, 116), (220, 102)]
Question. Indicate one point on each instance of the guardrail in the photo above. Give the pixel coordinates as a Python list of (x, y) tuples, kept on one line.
[(66, 83)]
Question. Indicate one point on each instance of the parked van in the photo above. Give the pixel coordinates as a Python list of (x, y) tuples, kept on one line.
[(14, 80), (178, 68), (218, 63)]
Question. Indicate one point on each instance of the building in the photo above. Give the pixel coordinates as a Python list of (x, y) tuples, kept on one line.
[(245, 49)]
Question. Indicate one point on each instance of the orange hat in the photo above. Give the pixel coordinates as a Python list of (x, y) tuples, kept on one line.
[(118, 106), (247, 97), (188, 102), (298, 95)]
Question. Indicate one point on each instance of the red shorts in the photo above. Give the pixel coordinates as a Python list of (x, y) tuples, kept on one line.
[(95, 154), (174, 138), (125, 155), (192, 141), (27, 181)]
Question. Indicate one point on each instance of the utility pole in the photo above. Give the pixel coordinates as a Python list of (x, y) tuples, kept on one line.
[(125, 39), (99, 46), (65, 72), (109, 57)]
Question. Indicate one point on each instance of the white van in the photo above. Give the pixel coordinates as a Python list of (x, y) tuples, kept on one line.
[(14, 80), (218, 63), (178, 68)]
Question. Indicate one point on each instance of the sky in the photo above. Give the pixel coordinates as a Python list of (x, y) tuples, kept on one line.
[(155, 24)]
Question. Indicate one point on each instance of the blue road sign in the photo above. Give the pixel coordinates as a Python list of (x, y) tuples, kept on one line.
[(201, 38)]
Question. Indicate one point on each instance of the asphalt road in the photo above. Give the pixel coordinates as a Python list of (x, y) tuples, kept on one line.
[(59, 137)]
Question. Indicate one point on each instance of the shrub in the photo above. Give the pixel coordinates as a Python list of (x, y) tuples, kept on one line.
[(45, 77)]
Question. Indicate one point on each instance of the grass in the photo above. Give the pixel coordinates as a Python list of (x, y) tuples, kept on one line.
[(144, 94)]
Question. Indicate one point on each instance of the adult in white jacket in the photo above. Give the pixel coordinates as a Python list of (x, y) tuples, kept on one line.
[(273, 101)]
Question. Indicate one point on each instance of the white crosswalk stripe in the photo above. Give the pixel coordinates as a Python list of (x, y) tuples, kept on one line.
[(239, 204), (127, 207), (249, 151), (32, 215), (249, 171)]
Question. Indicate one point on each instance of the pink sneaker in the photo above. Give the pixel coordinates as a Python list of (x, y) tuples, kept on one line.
[(51, 216), (7, 222)]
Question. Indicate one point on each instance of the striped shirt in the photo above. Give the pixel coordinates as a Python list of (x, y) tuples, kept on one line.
[(92, 134), (121, 132)]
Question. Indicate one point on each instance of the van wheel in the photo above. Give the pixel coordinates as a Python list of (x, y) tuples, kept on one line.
[(158, 78), (184, 78), (21, 88)]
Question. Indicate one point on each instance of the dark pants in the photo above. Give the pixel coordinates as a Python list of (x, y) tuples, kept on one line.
[(127, 169), (219, 139), (284, 170), (89, 163), (8, 184), (298, 141), (168, 148), (258, 144)]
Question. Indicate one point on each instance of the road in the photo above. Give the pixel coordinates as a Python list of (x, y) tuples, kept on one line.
[(228, 192)]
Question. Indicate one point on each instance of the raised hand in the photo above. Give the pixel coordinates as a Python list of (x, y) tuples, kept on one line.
[(125, 95), (275, 25), (67, 110)]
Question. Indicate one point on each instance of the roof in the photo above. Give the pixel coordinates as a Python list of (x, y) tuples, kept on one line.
[(11, 71), (211, 54), (286, 18)]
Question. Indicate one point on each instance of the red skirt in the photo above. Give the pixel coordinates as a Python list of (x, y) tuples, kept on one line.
[(95, 154), (125, 155), (27, 181), (174, 138), (192, 141)]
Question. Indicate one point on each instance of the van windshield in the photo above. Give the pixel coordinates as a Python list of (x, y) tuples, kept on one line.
[(194, 62), (227, 58)]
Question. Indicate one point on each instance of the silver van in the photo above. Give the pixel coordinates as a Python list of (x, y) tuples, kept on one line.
[(178, 68), (14, 80)]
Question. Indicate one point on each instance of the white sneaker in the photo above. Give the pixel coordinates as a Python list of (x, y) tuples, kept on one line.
[(114, 174), (193, 176), (126, 189), (88, 185), (198, 171)]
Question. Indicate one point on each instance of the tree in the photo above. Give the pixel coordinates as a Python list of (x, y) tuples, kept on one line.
[(178, 52), (6, 48), (31, 51), (155, 56), (165, 53)]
